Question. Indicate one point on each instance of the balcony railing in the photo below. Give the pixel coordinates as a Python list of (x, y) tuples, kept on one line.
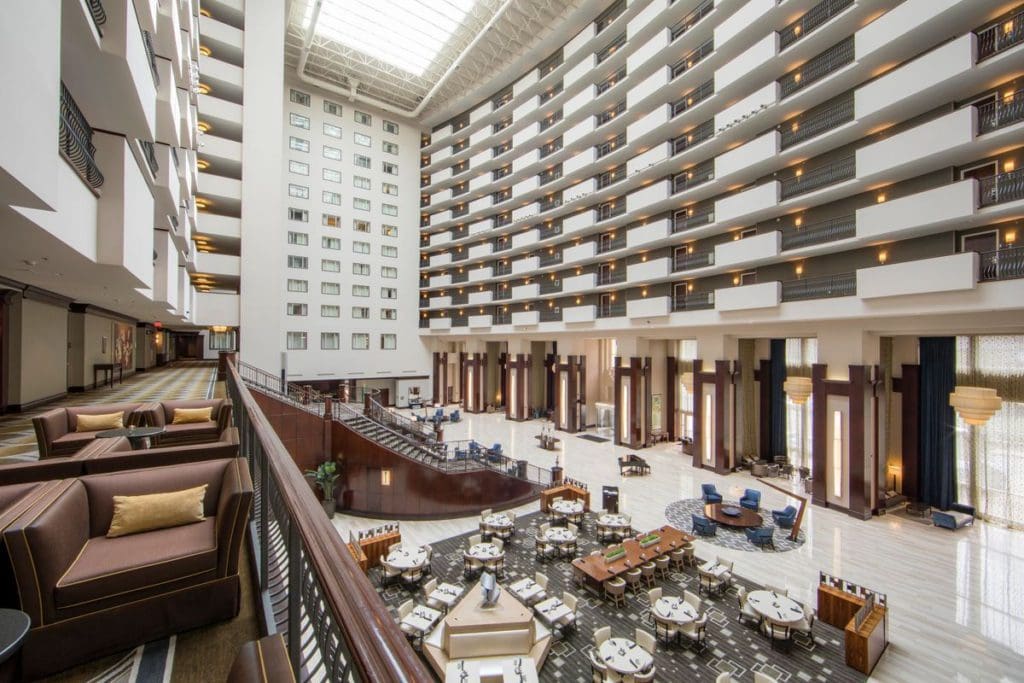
[(502, 220), (609, 146), (840, 228), (551, 147), (1004, 187), (824, 287), (549, 64), (1002, 35), (499, 173), (693, 301), (550, 202), (460, 145), (501, 318), (694, 97), (149, 152), (609, 210), (822, 176), (609, 114), (611, 48), (611, 177), (552, 314), (607, 276), (75, 140), (1006, 110), (460, 167), (498, 150), (693, 260), (549, 93), (501, 244), (609, 83), (501, 268), (616, 309), (147, 41), (692, 177), (548, 286), (549, 259), (814, 122), (816, 68), (1005, 264), (692, 59), (551, 230), (551, 120), (458, 277), (501, 196), (692, 217), (501, 125), (460, 189), (608, 17), (424, 323), (606, 244), (811, 19), (693, 137), (98, 14), (501, 99), (501, 293), (333, 621), (553, 173), (460, 210), (691, 19)]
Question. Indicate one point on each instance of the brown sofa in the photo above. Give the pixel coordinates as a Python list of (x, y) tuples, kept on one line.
[(55, 429), (261, 661), (115, 455), (162, 414), (89, 596)]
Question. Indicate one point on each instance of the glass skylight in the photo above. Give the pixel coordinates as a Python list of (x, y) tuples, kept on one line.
[(407, 34)]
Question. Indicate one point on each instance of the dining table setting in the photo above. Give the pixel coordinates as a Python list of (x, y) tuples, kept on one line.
[(624, 656)]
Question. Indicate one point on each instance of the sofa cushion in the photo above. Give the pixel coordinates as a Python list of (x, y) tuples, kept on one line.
[(113, 567), (184, 416), (135, 514), (127, 410), (96, 423), (206, 429)]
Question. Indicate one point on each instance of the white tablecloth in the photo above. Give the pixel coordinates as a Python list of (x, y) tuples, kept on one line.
[(676, 610), (551, 610), (559, 535), (483, 551), (407, 558), (446, 594), (462, 671), (526, 589), (613, 520), (498, 520), (422, 618), (624, 656), (519, 670), (568, 507), (778, 608), (714, 569)]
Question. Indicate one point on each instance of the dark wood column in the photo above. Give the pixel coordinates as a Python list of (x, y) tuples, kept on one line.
[(518, 365), (819, 436), (910, 400), (671, 393), (857, 478), (474, 386), (638, 424), (723, 380), (5, 346), (440, 376), (503, 374), (699, 378), (572, 372)]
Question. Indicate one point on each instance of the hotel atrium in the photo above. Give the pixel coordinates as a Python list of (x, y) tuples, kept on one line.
[(512, 341)]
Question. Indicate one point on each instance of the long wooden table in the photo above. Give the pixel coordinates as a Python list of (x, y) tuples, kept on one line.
[(595, 571)]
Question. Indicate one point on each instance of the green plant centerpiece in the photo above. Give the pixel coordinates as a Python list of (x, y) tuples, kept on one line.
[(615, 554), (649, 539), (325, 476)]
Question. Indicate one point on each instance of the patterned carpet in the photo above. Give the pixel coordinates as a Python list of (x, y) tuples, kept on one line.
[(731, 646), (181, 380), (679, 514)]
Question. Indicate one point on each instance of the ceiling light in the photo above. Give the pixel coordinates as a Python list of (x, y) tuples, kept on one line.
[(205, 51), (204, 89)]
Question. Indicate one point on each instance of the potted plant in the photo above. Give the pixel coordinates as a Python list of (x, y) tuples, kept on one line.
[(324, 477)]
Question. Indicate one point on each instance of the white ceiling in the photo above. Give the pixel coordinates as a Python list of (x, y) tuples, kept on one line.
[(397, 51)]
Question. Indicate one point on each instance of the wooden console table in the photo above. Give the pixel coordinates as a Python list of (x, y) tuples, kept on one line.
[(108, 374), (567, 492)]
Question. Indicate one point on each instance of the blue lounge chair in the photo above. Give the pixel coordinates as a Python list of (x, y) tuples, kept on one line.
[(702, 526), (751, 500), (710, 494), (438, 414), (785, 517), (456, 416), (762, 536)]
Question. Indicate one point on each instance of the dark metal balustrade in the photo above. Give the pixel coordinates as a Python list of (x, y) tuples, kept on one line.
[(549, 175), (611, 277), (823, 287), (1002, 35), (501, 267), (502, 220), (75, 140), (822, 176), (498, 150), (501, 125), (149, 152), (611, 177), (694, 301), (1005, 264), (692, 177), (609, 114), (840, 228), (816, 68), (502, 244), (502, 293), (608, 17), (551, 230), (694, 97), (551, 148), (810, 20), (549, 202), (550, 64), (814, 122), (501, 318), (460, 189), (1004, 187), (501, 195), (551, 314), (693, 137), (693, 217), (1006, 110), (502, 99), (499, 173), (606, 148), (551, 120), (691, 60), (548, 286), (611, 48), (458, 277), (460, 145), (147, 41), (691, 19), (616, 309), (611, 81), (606, 211), (549, 93), (606, 244), (98, 14), (460, 210), (692, 260)]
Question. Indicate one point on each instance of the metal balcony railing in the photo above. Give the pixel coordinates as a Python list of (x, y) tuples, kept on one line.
[(501, 196), (609, 146), (459, 254), (691, 19), (501, 318), (822, 176), (424, 323), (149, 152), (498, 150), (823, 287), (816, 68), (609, 114), (694, 97), (551, 147), (499, 173), (606, 244), (1004, 187), (458, 277), (1004, 264), (459, 232), (460, 189), (502, 220), (425, 161), (550, 202), (502, 293), (1006, 110), (460, 123), (501, 244), (692, 59), (147, 41), (693, 137), (549, 175), (551, 314), (692, 217), (810, 20), (609, 210), (98, 14), (460, 167), (609, 83), (502, 98), (608, 17), (460, 210), (550, 286), (840, 228), (1002, 35), (74, 140), (814, 122), (611, 177), (611, 277), (616, 309), (549, 64), (551, 230), (501, 125), (501, 268), (551, 120), (692, 177), (693, 301), (693, 260), (611, 48), (549, 93), (460, 145)]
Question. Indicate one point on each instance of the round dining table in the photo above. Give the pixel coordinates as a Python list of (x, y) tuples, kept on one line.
[(777, 608), (624, 656), (498, 520), (559, 535), (483, 551), (568, 507), (675, 610), (407, 558), (614, 521)]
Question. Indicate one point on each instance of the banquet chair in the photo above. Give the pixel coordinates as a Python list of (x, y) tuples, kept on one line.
[(662, 563), (647, 570), (694, 600), (747, 612), (664, 630), (777, 633), (645, 676), (568, 622), (696, 632), (404, 610), (633, 578), (602, 634), (653, 595), (775, 589), (597, 668), (615, 590), (389, 574), (804, 626), (646, 641)]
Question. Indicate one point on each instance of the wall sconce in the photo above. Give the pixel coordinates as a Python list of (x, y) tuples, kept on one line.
[(895, 471), (612, 297), (1010, 236), (1009, 165), (798, 221), (643, 292), (736, 279), (385, 477), (689, 287), (880, 198), (799, 269), (643, 258), (883, 256), (735, 237), (579, 300)]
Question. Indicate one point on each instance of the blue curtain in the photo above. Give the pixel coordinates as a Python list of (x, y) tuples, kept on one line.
[(777, 426), (937, 425)]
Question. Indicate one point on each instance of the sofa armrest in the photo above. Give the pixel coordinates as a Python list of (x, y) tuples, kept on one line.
[(224, 416), (964, 508), (50, 426), (44, 542), (262, 660), (233, 505), (49, 469), (150, 415)]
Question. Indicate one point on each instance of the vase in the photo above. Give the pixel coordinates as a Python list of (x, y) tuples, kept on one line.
[(329, 505)]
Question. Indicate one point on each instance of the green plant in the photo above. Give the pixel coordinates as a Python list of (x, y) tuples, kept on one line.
[(324, 477)]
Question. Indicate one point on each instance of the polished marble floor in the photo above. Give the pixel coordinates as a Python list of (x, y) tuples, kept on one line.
[(956, 598)]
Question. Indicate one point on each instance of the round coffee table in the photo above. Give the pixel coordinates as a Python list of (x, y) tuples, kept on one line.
[(139, 437), (14, 626), (729, 514)]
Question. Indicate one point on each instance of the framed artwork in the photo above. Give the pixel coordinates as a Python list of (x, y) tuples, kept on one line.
[(124, 345), (656, 410)]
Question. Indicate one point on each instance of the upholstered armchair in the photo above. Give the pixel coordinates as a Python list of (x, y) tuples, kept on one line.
[(702, 526), (88, 595), (785, 517), (162, 415), (710, 494), (762, 536), (956, 517), (57, 430), (751, 499)]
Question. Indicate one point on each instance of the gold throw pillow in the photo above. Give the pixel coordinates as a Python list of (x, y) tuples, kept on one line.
[(96, 423), (184, 416), (135, 514)]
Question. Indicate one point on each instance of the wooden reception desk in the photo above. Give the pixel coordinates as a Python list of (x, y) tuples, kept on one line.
[(864, 645), (566, 491)]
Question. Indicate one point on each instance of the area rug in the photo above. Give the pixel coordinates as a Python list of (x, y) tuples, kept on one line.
[(595, 439), (732, 647), (680, 515)]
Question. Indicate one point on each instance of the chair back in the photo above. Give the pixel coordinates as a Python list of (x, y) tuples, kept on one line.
[(775, 589), (693, 600), (405, 609), (430, 586), (653, 595), (600, 635), (752, 494), (573, 528), (541, 579), (646, 640), (498, 543), (474, 539), (707, 489), (485, 513), (570, 601)]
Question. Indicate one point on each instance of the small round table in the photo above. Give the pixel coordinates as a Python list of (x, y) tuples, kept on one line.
[(14, 626), (407, 559), (729, 514), (559, 535), (775, 607), (675, 610), (483, 551), (567, 507), (613, 521), (624, 656), (138, 437), (498, 520)]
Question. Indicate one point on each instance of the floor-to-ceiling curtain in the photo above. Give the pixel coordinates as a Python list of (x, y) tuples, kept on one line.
[(801, 354), (937, 464), (777, 426), (990, 457)]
